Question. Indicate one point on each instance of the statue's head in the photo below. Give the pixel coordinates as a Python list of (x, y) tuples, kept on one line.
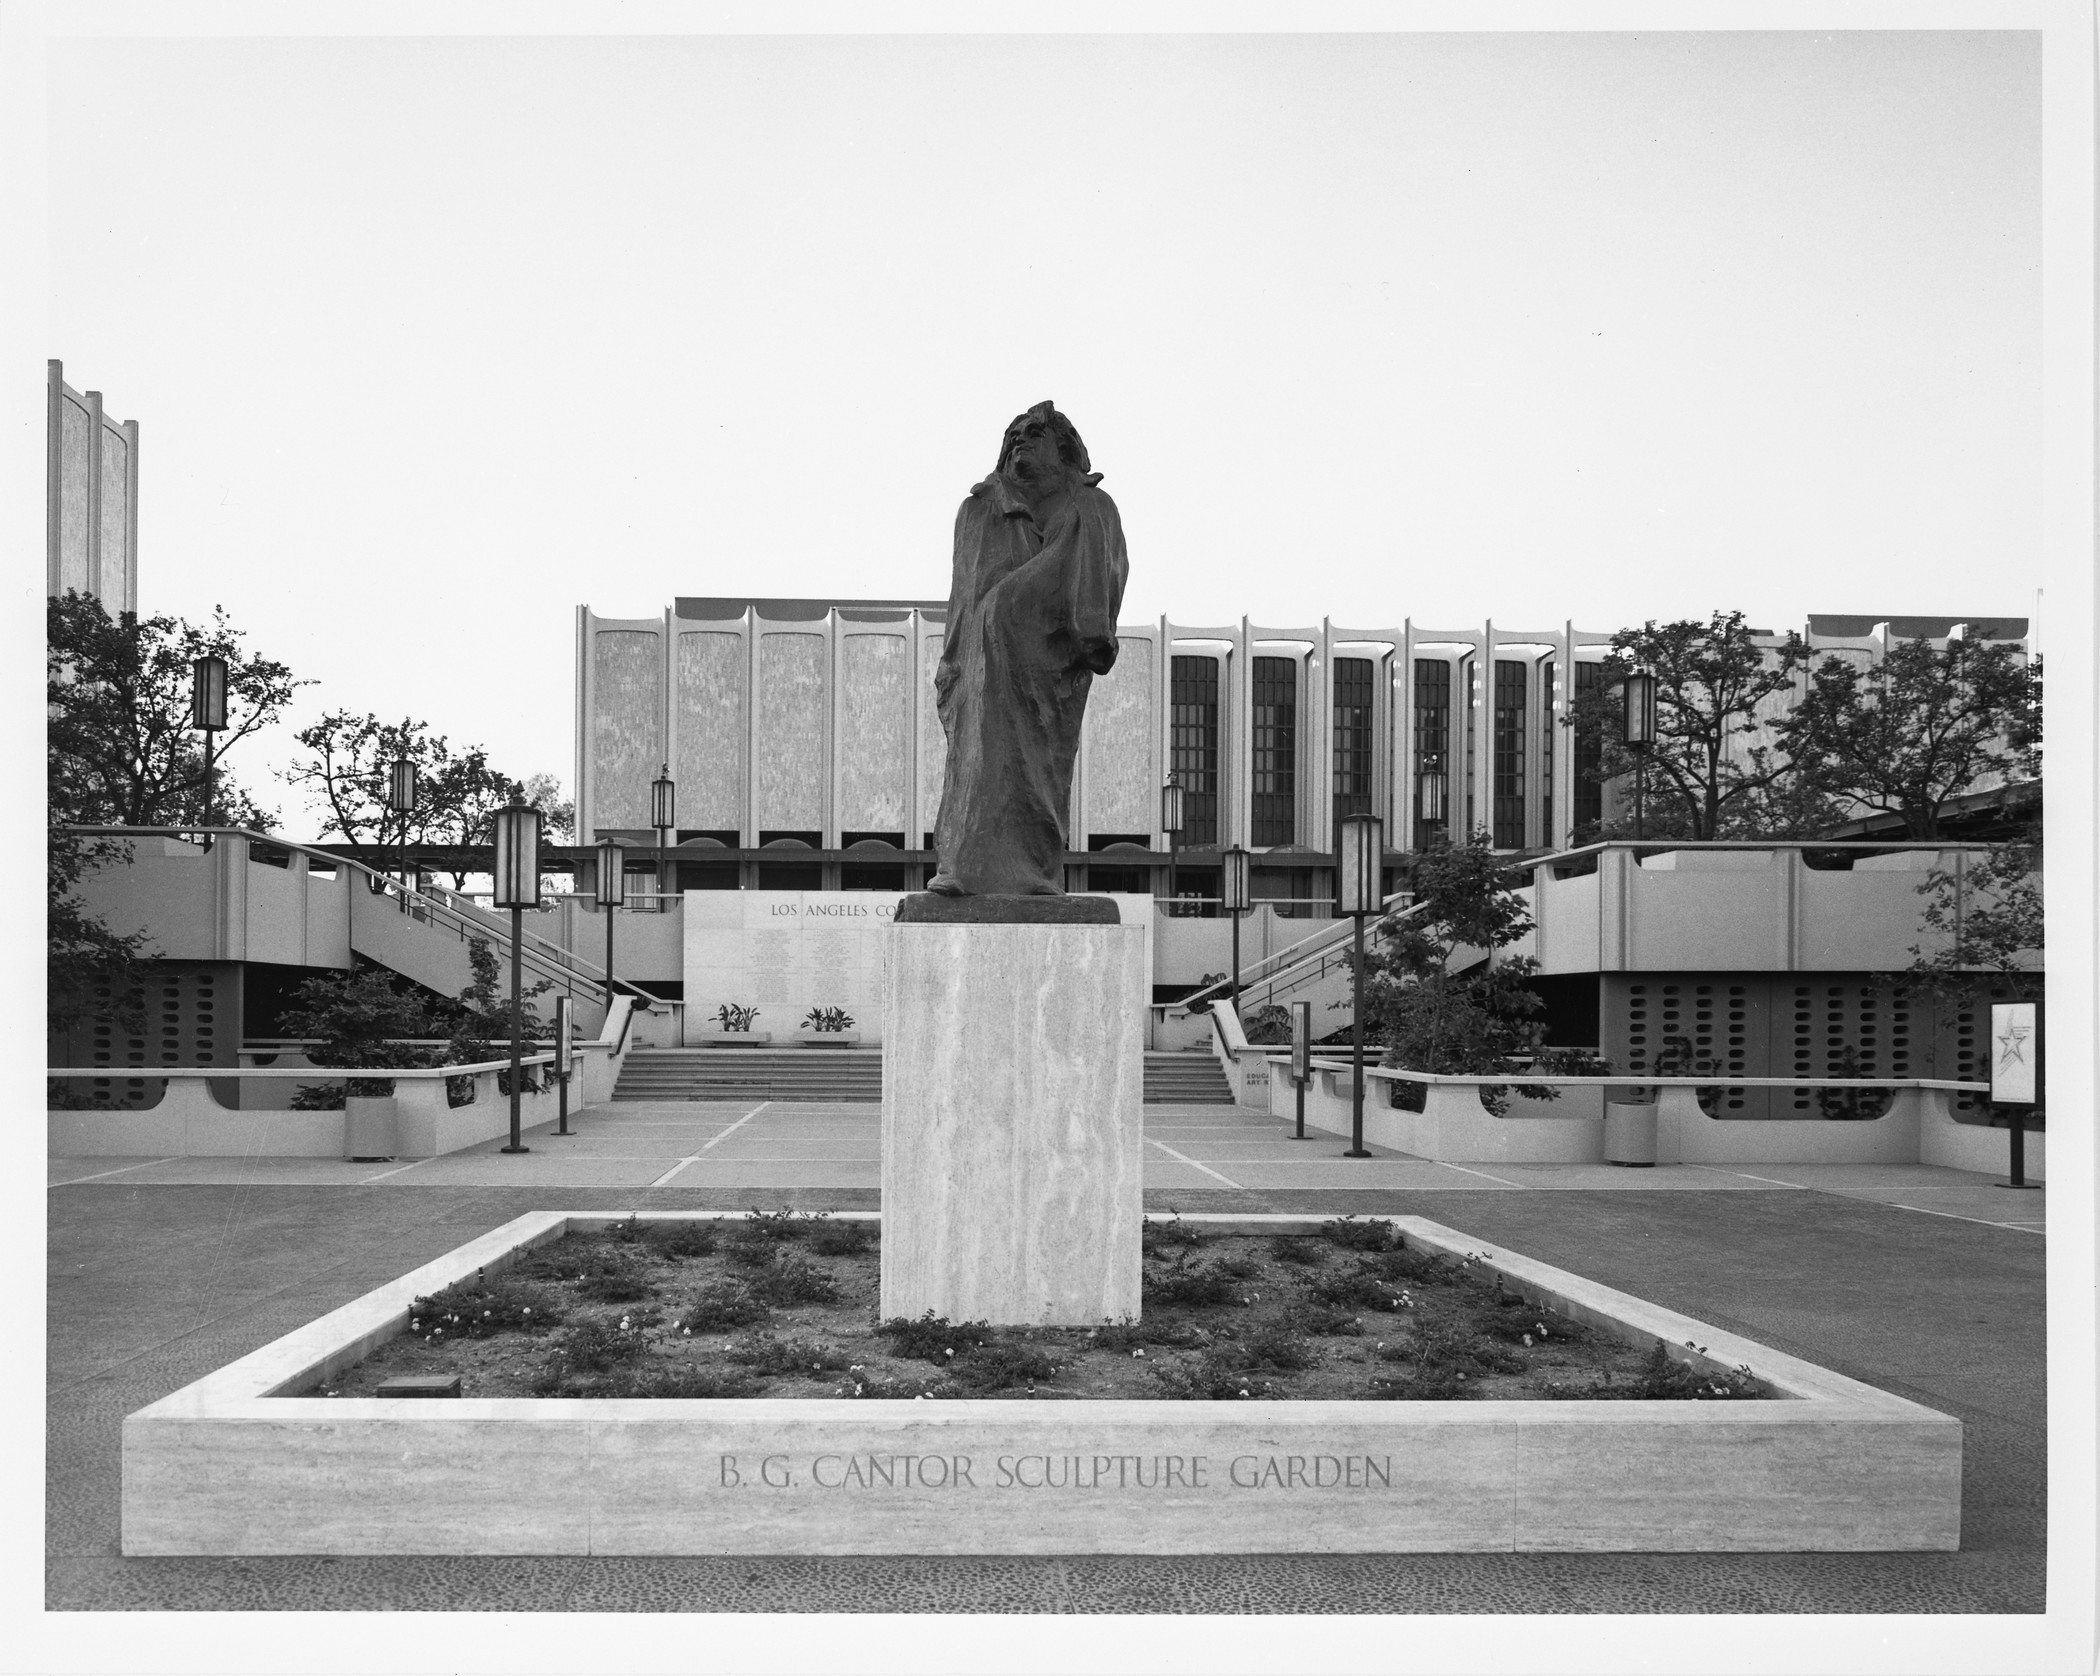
[(1026, 451)]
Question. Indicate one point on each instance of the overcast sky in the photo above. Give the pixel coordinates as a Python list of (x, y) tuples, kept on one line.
[(433, 340)]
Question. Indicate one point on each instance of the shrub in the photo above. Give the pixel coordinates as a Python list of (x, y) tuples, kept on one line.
[(764, 1353), (1438, 1344), (1276, 1344), (792, 1278), (1360, 1288), (481, 1308), (679, 1240), (753, 1240), (1160, 1236), (1293, 1248), (933, 1338), (1002, 1364), (1324, 1322), (1352, 1235), (1191, 1285), (860, 1382), (1213, 1376), (1437, 1384), (612, 1275), (840, 1239), (720, 1305), (589, 1347)]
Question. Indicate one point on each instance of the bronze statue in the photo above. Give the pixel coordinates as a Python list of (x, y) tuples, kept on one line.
[(1039, 572)]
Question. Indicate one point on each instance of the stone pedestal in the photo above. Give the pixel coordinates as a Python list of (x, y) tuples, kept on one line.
[(1012, 1080)]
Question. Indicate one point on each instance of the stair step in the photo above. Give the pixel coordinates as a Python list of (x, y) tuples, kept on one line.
[(852, 1074)]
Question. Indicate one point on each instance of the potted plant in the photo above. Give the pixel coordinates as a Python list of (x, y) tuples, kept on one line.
[(736, 1026), (827, 1027)]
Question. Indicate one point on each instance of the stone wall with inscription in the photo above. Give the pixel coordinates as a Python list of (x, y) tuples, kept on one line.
[(786, 951)]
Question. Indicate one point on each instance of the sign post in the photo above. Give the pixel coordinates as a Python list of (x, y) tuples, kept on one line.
[(1301, 1057), (562, 1005), (2016, 1049)]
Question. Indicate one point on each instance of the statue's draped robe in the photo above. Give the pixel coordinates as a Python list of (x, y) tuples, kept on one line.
[(1031, 617)]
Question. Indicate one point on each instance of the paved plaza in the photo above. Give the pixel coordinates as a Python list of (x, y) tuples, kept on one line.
[(1925, 1282)]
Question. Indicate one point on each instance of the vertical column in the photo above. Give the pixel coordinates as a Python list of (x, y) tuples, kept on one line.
[(834, 660), (130, 600), (1405, 767), (668, 727), (94, 496), (1563, 741), (54, 472), (1480, 698), (751, 709), (586, 811)]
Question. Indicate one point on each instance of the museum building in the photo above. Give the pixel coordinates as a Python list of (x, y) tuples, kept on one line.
[(804, 751)]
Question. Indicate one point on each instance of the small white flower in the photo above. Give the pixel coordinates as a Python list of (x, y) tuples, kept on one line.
[(1527, 1341)]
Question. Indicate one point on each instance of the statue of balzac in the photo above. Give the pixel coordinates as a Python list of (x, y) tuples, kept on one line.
[(1038, 580)]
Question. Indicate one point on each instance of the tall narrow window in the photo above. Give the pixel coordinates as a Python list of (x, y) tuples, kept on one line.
[(1432, 751), (1195, 724), (1275, 751), (1470, 679), (1509, 754), (1546, 733), (1352, 736), (1589, 755)]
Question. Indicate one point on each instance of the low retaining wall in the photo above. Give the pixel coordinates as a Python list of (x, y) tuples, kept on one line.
[(227, 1465), (1453, 1127)]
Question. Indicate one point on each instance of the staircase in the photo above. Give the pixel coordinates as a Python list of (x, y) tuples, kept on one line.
[(853, 1074), (751, 1074), (1185, 1079)]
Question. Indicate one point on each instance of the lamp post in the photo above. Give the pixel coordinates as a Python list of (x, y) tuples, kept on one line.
[(1170, 822), (401, 788), (517, 881), (1359, 854), (1639, 719), (562, 1007), (1232, 888), (208, 716), (612, 894), (1431, 792), (663, 815)]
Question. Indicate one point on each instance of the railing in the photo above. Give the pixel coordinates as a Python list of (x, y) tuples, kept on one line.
[(1326, 948), (1393, 1073), (436, 906)]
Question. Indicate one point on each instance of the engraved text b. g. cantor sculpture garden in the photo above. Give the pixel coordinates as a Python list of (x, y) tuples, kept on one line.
[(1038, 580)]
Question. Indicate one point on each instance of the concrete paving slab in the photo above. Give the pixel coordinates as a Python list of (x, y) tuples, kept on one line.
[(1667, 1178), (546, 1170), (717, 1172)]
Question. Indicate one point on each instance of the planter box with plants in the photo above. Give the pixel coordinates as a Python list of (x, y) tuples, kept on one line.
[(733, 1028), (642, 1443), (827, 1027)]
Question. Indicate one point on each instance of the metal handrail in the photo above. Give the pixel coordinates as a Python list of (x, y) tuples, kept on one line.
[(534, 949), (303, 1073), (1394, 1073)]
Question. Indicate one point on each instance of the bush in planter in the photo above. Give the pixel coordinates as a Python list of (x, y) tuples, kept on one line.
[(734, 1018), (827, 1020), (359, 1020)]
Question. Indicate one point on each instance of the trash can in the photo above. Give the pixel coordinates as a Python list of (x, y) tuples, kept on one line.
[(368, 1128), (1629, 1132)]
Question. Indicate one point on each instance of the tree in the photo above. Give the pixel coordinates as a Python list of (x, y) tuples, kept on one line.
[(121, 749), (351, 758), (1708, 774), (1918, 727), (484, 1016), (1991, 915), (1474, 1021), (364, 1021), (90, 970)]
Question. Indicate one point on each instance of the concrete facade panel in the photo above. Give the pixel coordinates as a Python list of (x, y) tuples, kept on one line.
[(712, 731), (116, 517), (874, 733), (792, 728), (1122, 771), (76, 432), (626, 731)]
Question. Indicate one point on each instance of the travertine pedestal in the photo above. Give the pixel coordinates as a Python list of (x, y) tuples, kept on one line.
[(1012, 1079)]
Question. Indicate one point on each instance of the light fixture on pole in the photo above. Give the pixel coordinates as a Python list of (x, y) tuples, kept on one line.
[(1232, 891), (663, 815), (1637, 694), (1170, 822), (401, 789), (1359, 859), (208, 716), (612, 894), (1432, 790), (562, 1007), (517, 881)]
